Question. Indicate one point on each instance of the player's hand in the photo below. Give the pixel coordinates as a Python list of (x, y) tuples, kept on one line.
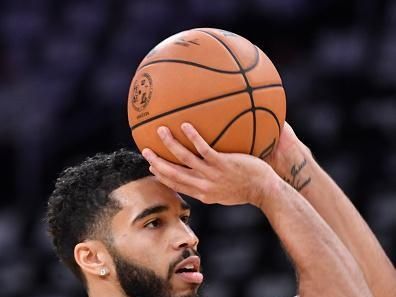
[(289, 152), (214, 177)]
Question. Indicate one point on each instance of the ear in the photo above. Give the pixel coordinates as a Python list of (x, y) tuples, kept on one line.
[(92, 257)]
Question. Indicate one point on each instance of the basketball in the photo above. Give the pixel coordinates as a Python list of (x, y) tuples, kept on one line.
[(218, 81)]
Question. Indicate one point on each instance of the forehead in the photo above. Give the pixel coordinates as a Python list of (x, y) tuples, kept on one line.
[(146, 192)]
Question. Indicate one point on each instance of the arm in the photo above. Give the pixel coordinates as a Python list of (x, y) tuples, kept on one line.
[(324, 265), (293, 161)]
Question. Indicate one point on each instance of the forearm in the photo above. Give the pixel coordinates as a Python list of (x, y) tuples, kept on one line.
[(324, 265), (302, 172), (323, 262)]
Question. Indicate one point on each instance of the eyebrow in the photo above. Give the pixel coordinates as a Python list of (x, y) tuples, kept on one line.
[(158, 209)]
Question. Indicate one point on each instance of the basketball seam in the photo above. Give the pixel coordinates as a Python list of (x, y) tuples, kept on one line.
[(191, 64), (224, 96), (270, 112), (204, 66), (241, 114), (267, 150), (229, 125), (248, 87)]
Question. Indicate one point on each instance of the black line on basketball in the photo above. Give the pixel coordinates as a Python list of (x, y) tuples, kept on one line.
[(273, 115), (248, 87), (267, 150), (266, 109), (190, 64), (187, 107), (201, 102), (256, 60), (267, 86), (213, 143)]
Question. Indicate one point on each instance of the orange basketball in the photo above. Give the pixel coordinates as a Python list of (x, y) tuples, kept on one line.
[(221, 83)]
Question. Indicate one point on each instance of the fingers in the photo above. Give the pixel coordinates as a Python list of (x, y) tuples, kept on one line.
[(174, 176), (200, 144), (178, 150), (194, 181), (170, 183), (288, 128)]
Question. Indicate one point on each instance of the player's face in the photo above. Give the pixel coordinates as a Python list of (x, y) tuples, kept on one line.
[(154, 249)]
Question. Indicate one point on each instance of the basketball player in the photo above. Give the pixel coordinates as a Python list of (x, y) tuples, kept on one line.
[(124, 233), (332, 247)]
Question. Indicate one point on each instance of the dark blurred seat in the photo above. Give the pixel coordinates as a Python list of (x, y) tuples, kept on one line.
[(67, 55), (377, 113), (85, 20), (238, 218), (222, 10), (20, 31), (382, 217), (217, 289), (340, 53), (271, 285), (243, 249)]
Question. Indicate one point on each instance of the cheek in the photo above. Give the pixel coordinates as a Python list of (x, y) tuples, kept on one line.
[(146, 250)]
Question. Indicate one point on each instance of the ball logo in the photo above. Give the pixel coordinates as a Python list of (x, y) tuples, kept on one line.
[(142, 90)]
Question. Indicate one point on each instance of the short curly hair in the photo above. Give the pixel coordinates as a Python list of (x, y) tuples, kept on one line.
[(80, 206)]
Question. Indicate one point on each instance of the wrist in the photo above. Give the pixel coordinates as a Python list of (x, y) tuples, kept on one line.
[(277, 194), (285, 158), (267, 185), (294, 165)]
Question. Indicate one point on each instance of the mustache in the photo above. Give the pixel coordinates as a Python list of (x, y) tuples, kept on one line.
[(185, 254)]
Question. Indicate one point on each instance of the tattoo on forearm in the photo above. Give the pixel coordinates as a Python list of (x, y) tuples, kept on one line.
[(295, 179)]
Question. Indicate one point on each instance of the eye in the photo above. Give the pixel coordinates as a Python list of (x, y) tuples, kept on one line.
[(156, 223), (185, 219)]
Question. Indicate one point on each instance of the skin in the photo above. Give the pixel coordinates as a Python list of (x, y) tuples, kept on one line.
[(325, 266), (155, 241), (336, 209)]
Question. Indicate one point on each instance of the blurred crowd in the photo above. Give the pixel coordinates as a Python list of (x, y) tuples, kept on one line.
[(65, 69)]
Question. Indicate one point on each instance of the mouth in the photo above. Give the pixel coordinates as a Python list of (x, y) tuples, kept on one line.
[(188, 270)]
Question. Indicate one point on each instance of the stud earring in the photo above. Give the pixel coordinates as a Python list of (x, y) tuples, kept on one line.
[(103, 271)]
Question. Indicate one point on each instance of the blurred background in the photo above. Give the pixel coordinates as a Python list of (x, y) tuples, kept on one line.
[(65, 69)]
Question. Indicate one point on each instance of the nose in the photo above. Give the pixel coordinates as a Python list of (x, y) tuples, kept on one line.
[(185, 238)]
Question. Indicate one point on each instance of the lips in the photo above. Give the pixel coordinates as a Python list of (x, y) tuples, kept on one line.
[(188, 270)]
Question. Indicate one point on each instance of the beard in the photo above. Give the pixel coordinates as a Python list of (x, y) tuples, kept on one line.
[(139, 281)]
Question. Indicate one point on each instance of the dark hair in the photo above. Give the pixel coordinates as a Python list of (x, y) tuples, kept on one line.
[(80, 206)]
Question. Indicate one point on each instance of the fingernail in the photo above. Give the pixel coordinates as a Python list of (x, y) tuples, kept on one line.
[(187, 127), (147, 154), (161, 132)]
